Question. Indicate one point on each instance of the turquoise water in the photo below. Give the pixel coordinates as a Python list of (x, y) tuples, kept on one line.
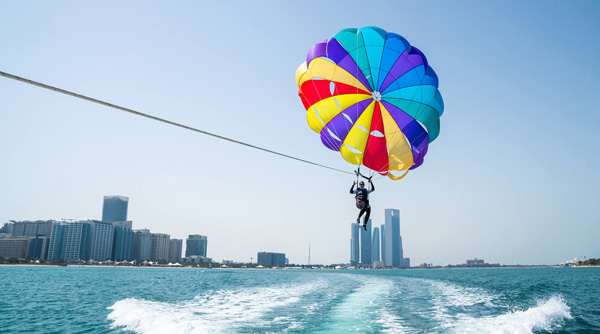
[(156, 300)]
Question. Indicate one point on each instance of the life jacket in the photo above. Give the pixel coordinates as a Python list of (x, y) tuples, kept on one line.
[(362, 194)]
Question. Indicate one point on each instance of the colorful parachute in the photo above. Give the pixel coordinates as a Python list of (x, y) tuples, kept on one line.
[(372, 97)]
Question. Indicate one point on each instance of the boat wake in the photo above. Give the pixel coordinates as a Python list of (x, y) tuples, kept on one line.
[(547, 315)]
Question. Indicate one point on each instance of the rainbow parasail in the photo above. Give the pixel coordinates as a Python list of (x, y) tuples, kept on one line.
[(372, 97)]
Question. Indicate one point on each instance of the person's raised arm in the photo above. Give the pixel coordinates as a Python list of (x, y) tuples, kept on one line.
[(372, 186), (352, 188)]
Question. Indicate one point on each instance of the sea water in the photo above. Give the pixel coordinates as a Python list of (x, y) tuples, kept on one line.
[(41, 299)]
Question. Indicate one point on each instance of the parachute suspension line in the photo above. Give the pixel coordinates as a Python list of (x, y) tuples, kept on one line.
[(131, 111)]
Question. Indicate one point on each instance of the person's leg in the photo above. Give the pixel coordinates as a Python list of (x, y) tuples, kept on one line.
[(368, 211)]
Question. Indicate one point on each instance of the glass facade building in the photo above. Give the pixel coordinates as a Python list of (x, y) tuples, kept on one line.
[(375, 245), (115, 209), (142, 245), (175, 248), (365, 245), (69, 241), (160, 247), (122, 241), (354, 243), (383, 244), (271, 259), (38, 247), (196, 244), (101, 237), (393, 242)]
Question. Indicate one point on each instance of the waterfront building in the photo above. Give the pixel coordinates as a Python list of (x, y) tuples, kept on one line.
[(7, 228), (475, 262), (69, 241), (393, 242), (354, 243), (141, 249), (365, 246), (196, 244), (406, 262), (271, 259), (197, 259), (13, 247), (101, 237), (114, 209), (30, 229), (38, 247), (122, 241), (383, 244), (375, 246), (160, 247), (175, 248), (401, 254)]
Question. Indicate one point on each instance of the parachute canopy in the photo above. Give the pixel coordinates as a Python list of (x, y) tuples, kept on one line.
[(372, 97)]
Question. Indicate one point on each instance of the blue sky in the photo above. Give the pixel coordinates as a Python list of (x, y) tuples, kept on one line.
[(511, 178)]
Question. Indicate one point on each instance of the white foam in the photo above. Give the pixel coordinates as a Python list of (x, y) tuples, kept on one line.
[(453, 303), (546, 315), (219, 311)]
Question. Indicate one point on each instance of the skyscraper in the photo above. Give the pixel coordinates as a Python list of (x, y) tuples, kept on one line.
[(375, 245), (142, 245), (114, 209), (122, 241), (365, 245), (69, 241), (196, 244), (393, 246), (383, 244), (160, 247), (101, 240), (354, 243), (175, 247)]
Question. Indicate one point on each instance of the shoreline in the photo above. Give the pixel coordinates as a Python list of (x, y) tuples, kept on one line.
[(283, 268)]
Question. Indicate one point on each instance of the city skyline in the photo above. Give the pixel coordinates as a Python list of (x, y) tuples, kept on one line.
[(513, 164)]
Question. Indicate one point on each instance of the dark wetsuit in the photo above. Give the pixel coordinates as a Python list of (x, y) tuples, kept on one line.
[(362, 200)]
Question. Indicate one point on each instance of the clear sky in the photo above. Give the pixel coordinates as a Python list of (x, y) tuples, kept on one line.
[(513, 176)]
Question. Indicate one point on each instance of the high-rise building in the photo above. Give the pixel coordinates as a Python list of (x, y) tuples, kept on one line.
[(196, 244), (401, 254), (7, 228), (69, 241), (375, 245), (101, 237), (383, 244), (393, 243), (365, 246), (115, 209), (271, 259), (175, 248), (122, 241), (142, 245), (30, 229), (406, 262), (354, 243), (160, 247)]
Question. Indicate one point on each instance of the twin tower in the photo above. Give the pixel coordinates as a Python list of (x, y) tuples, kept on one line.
[(366, 248)]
